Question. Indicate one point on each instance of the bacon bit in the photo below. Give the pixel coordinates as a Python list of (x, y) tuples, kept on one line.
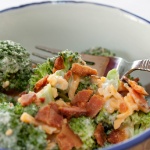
[(54, 106), (123, 107), (117, 136), (41, 83), (81, 98), (66, 139), (136, 79), (94, 105), (59, 63), (27, 118), (68, 75), (49, 115), (42, 99), (100, 135), (73, 111), (83, 70), (27, 99)]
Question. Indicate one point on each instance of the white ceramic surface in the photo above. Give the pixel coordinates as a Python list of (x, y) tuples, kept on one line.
[(136, 7), (78, 26)]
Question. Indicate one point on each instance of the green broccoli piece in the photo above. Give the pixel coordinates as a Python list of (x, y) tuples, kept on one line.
[(138, 122), (84, 127), (32, 109), (69, 58), (106, 119), (86, 83), (16, 135), (99, 51), (7, 98), (15, 66)]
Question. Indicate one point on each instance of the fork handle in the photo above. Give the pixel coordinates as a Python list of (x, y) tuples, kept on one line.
[(143, 65)]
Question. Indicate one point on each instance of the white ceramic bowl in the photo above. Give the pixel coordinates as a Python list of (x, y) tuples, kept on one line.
[(78, 26)]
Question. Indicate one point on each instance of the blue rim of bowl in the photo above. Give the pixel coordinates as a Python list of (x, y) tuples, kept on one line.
[(77, 2), (128, 143)]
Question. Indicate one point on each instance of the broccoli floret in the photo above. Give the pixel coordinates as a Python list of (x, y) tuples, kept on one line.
[(69, 58), (15, 66), (7, 98), (16, 135), (99, 51), (138, 122), (84, 127), (106, 119), (32, 109), (86, 83)]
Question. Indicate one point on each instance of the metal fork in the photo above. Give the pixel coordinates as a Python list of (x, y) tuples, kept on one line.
[(104, 64)]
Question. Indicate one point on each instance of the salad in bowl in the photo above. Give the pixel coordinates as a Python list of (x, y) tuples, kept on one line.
[(63, 104)]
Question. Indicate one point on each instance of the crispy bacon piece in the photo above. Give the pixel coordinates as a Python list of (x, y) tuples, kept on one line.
[(42, 99), (68, 75), (50, 116), (66, 139), (117, 136), (41, 83), (59, 63), (100, 135), (72, 111), (94, 105), (27, 99), (83, 70), (81, 98)]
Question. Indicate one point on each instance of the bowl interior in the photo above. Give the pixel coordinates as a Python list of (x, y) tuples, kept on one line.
[(77, 26)]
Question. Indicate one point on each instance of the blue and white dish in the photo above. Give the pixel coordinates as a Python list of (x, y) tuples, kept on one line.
[(78, 26)]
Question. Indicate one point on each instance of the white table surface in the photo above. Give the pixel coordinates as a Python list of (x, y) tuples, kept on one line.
[(140, 8)]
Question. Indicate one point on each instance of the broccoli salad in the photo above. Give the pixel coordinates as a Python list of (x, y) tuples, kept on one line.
[(65, 105), (15, 66)]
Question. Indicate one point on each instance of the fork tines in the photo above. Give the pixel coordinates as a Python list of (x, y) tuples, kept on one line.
[(46, 49), (39, 55)]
